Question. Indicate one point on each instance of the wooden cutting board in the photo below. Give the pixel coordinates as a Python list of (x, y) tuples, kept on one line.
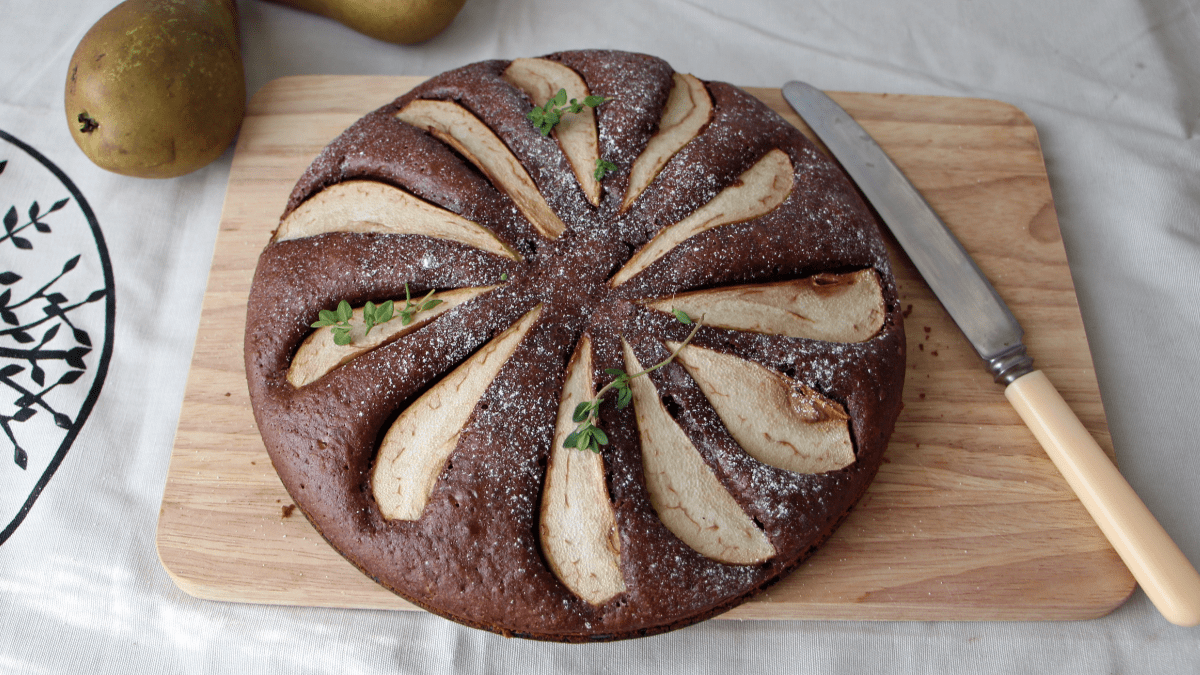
[(966, 520)]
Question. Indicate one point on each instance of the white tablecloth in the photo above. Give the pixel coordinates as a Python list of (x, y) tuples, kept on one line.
[(1113, 87)]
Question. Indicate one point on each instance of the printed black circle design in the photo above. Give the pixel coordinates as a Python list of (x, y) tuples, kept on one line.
[(50, 309)]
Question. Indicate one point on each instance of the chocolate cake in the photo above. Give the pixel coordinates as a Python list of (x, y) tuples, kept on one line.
[(665, 224)]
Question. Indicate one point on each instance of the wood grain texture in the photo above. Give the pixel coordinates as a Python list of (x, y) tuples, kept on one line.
[(967, 519)]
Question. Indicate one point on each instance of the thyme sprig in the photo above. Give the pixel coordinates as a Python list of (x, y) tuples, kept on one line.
[(545, 117), (411, 308), (588, 435), (603, 168), (374, 315), (338, 320)]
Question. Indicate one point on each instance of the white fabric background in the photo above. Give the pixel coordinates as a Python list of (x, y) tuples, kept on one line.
[(1113, 87)]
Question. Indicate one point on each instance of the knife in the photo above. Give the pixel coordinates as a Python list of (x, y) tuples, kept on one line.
[(1164, 573)]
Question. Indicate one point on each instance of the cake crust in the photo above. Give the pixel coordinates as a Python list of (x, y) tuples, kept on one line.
[(474, 555)]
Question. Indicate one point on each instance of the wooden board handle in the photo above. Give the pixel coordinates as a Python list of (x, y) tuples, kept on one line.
[(1161, 569)]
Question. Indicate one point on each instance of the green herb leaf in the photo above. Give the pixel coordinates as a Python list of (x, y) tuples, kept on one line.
[(599, 436), (587, 439), (545, 117), (383, 313), (582, 411), (549, 121), (374, 315), (328, 318), (603, 168), (344, 311), (682, 316), (572, 440), (624, 397), (368, 317)]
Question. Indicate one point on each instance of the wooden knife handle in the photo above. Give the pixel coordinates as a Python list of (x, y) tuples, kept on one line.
[(1161, 569)]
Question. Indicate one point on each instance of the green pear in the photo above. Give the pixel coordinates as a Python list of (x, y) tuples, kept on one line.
[(402, 22), (156, 89)]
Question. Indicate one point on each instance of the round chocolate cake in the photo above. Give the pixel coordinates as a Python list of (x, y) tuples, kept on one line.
[(643, 352)]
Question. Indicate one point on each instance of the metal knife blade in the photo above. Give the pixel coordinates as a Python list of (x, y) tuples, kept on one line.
[(950, 272), (1165, 574)]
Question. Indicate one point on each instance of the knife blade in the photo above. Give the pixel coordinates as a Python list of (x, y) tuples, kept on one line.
[(1164, 573)]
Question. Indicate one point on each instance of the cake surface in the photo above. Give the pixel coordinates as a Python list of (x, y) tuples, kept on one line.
[(429, 450)]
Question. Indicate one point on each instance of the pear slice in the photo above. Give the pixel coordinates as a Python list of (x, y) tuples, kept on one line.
[(419, 442), (578, 526), (319, 354), (541, 80), (776, 420), (684, 492), (456, 126), (832, 307), (369, 206), (757, 192), (688, 109)]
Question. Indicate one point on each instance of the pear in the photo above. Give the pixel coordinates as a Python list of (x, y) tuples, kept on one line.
[(156, 89), (402, 22)]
